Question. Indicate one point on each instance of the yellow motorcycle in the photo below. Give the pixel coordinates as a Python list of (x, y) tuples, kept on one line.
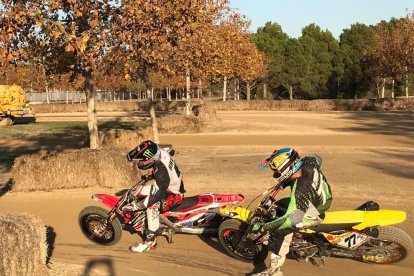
[(363, 234)]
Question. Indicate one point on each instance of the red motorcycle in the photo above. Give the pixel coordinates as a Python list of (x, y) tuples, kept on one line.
[(195, 215)]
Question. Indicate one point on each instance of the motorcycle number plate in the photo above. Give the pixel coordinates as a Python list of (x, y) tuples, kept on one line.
[(268, 203), (352, 239)]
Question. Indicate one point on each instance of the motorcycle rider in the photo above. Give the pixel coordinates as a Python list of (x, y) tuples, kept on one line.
[(309, 199), (164, 193)]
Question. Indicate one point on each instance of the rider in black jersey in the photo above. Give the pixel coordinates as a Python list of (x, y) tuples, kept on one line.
[(309, 199)]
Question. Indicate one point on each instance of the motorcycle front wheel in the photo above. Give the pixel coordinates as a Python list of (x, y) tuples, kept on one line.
[(230, 234), (92, 223), (391, 246)]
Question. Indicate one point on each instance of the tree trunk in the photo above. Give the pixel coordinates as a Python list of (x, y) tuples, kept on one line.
[(200, 89), (383, 89), (248, 90), (265, 90), (406, 86), (235, 90), (224, 88), (187, 88), (392, 89), (47, 94), (290, 92), (238, 89), (149, 88), (90, 90)]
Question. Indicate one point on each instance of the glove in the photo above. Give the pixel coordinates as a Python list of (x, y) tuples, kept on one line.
[(257, 228), (147, 177), (134, 206)]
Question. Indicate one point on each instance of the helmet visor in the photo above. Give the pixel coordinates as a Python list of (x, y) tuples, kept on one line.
[(278, 162)]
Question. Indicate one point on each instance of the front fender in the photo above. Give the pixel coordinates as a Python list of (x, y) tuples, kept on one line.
[(108, 200), (236, 212)]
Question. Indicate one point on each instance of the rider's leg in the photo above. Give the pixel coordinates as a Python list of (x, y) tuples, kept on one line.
[(279, 246), (153, 222)]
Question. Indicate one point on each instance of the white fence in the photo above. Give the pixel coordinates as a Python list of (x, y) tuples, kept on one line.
[(74, 96)]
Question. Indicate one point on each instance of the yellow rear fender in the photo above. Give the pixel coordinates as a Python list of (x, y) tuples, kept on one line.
[(236, 212), (381, 218), (364, 219)]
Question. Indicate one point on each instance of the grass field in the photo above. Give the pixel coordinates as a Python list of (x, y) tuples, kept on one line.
[(21, 139), (21, 131)]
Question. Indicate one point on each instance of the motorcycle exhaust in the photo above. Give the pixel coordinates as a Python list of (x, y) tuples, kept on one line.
[(188, 230), (342, 253), (197, 231)]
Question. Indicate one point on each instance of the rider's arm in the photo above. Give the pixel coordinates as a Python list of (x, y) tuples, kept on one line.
[(285, 221), (162, 179), (310, 195)]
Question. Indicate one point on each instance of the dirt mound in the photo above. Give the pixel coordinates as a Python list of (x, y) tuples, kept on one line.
[(124, 138), (180, 124), (71, 169)]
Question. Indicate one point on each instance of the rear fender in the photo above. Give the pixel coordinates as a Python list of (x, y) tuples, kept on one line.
[(364, 219), (107, 200), (236, 212), (381, 218)]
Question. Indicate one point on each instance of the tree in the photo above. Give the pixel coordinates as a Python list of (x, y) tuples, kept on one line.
[(151, 33), (62, 36), (271, 40), (353, 43), (392, 54), (294, 67), (320, 48)]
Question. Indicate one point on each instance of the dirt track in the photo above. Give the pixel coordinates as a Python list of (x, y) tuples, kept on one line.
[(367, 156)]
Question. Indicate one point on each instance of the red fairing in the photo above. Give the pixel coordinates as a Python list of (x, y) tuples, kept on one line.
[(224, 199), (228, 198), (108, 200), (205, 200)]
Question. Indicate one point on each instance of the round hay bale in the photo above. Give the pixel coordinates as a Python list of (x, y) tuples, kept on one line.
[(180, 124), (72, 169), (124, 138), (23, 245), (204, 112)]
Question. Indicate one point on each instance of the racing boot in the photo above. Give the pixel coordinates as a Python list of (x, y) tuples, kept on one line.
[(143, 246), (274, 269)]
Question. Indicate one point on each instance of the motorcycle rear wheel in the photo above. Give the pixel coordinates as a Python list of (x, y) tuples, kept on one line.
[(230, 233), (91, 220), (391, 246)]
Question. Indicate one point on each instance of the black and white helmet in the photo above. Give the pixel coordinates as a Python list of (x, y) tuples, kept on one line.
[(145, 154)]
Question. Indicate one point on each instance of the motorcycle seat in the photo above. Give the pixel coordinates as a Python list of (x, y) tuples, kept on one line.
[(187, 203), (326, 228)]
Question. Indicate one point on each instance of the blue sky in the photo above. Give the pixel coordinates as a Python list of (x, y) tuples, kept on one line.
[(333, 15)]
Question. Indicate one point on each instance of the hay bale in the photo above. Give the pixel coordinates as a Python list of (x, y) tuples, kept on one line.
[(180, 124), (124, 138), (204, 112), (71, 169), (23, 245)]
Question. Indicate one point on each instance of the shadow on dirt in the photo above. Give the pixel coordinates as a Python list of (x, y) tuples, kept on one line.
[(105, 267), (177, 260), (213, 242), (6, 187), (397, 124), (389, 162), (50, 239), (385, 123)]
